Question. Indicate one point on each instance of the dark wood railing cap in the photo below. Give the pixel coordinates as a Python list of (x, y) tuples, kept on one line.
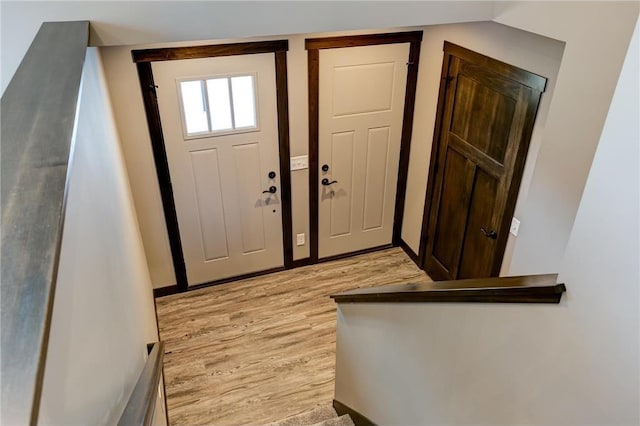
[(522, 289)]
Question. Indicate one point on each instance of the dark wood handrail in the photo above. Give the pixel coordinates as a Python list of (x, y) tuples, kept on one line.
[(523, 289), (38, 116), (142, 402)]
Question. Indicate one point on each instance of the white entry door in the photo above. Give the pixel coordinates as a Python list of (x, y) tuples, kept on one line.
[(219, 120), (361, 104)]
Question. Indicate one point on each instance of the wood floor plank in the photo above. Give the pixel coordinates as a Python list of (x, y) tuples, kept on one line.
[(258, 350)]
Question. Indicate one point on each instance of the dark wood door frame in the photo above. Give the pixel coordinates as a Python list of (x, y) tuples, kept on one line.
[(536, 83), (313, 46), (143, 59)]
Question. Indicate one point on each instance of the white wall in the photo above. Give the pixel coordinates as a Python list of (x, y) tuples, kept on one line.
[(576, 363), (103, 313), (137, 22)]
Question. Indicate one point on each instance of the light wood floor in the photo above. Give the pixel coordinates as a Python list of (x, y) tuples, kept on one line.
[(261, 349)]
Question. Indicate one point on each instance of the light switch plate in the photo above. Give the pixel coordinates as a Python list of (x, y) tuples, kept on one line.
[(300, 239), (515, 226), (300, 163)]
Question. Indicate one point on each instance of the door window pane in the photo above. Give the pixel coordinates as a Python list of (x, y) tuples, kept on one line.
[(194, 106), (243, 101), (219, 105)]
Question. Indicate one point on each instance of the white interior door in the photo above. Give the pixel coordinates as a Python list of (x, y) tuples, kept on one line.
[(219, 120), (361, 104)]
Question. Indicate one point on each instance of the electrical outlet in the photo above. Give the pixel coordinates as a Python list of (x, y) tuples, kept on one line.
[(515, 226), (299, 163), (300, 239)]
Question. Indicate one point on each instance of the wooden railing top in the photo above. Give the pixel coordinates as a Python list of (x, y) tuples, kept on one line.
[(524, 289), (38, 115)]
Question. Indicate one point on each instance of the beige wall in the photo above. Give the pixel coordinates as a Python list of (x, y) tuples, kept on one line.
[(563, 142), (595, 35), (103, 312), (124, 88), (538, 54), (576, 363), (129, 111)]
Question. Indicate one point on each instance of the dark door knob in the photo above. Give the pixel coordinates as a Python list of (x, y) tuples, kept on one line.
[(271, 190), (325, 167), (272, 175), (489, 234), (326, 182)]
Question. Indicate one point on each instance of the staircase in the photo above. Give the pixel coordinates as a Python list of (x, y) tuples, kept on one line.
[(321, 416)]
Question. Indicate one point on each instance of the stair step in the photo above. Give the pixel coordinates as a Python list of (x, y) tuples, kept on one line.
[(315, 417), (344, 420)]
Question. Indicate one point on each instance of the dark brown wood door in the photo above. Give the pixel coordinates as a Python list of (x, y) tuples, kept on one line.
[(486, 112)]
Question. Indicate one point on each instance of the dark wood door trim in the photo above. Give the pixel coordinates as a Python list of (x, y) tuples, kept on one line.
[(362, 40), (313, 69), (148, 88), (536, 84), (313, 46), (209, 51), (143, 59), (405, 141), (282, 97)]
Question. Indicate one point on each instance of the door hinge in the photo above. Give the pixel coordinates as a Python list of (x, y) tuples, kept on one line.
[(448, 79)]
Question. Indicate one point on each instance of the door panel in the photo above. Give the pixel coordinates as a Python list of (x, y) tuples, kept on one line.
[(486, 119), (228, 226), (206, 173), (361, 89), (482, 117), (447, 236), (342, 146), (361, 106), (248, 178), (477, 249), (376, 176)]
